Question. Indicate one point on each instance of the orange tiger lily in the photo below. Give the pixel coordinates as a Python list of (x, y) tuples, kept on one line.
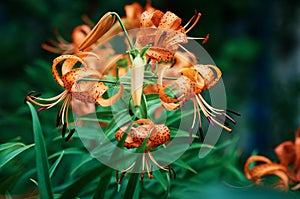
[(157, 134), (288, 168), (288, 154), (189, 86), (267, 167), (70, 79), (165, 32)]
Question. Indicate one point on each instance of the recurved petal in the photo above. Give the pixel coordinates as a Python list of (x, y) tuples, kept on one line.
[(286, 153), (150, 19), (143, 121), (252, 159), (257, 172), (164, 97), (297, 153), (261, 170), (171, 106), (170, 21), (196, 80), (69, 62), (160, 54), (108, 102), (283, 182), (212, 74), (76, 76)]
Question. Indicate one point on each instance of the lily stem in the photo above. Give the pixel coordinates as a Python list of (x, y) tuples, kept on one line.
[(124, 29), (117, 81)]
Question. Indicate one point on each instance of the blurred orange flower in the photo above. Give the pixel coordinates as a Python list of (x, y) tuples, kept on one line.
[(288, 168)]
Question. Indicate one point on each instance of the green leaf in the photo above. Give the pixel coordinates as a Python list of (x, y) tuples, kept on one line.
[(103, 184), (131, 186), (68, 151), (6, 146), (73, 190), (144, 50), (53, 167), (41, 156), (184, 165), (85, 161), (8, 157), (159, 177), (143, 107)]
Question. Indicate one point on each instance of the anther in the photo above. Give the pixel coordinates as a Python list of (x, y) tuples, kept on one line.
[(70, 135), (63, 131)]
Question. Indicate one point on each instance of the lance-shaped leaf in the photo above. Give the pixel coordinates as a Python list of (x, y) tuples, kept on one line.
[(42, 164)]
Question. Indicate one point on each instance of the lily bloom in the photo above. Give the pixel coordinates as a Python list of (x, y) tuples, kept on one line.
[(267, 167), (157, 134), (288, 168), (288, 154), (165, 32), (189, 86), (71, 79)]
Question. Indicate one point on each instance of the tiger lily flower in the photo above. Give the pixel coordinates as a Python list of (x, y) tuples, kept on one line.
[(156, 135), (165, 32), (267, 167), (189, 86), (288, 168), (288, 154), (70, 79)]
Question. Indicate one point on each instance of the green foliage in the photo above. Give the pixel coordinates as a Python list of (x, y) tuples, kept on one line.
[(42, 164)]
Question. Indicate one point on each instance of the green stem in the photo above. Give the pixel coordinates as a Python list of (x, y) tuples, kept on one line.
[(116, 82), (124, 29)]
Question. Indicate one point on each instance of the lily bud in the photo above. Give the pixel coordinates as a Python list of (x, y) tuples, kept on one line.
[(137, 79)]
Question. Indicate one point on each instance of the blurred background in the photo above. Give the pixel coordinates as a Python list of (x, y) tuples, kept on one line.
[(255, 43)]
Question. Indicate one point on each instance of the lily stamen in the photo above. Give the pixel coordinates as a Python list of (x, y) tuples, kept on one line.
[(197, 16)]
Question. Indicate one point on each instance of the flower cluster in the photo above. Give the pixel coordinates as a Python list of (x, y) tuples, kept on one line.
[(86, 78)]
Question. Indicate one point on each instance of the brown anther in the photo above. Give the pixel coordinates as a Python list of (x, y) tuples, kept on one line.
[(233, 112), (201, 134), (171, 172), (150, 175), (117, 176), (70, 135), (142, 177), (58, 119), (121, 178), (41, 109), (205, 39), (63, 130)]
